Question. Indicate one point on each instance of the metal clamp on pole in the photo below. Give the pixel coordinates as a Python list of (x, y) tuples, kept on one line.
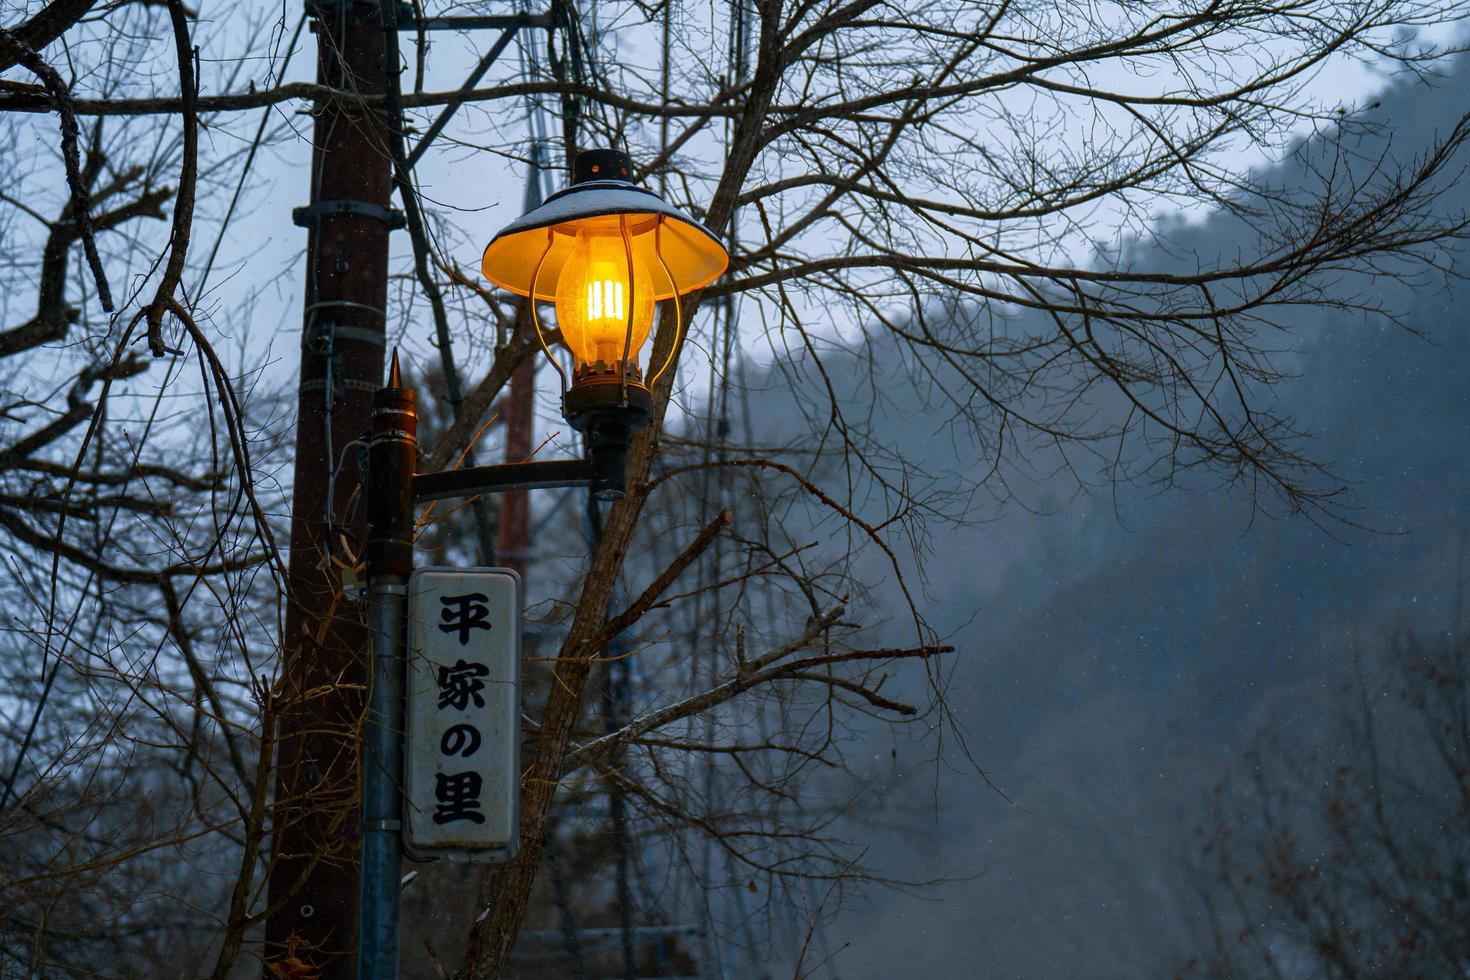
[(303, 216), (389, 494)]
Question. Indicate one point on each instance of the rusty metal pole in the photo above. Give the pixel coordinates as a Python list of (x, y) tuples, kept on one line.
[(513, 542), (513, 539), (315, 847)]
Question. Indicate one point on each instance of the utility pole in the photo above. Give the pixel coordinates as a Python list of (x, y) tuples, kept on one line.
[(513, 542), (315, 841)]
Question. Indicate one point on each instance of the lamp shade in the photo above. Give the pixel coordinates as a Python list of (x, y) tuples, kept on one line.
[(531, 252), (605, 251)]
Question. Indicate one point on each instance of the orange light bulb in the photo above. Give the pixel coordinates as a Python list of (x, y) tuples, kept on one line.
[(594, 297)]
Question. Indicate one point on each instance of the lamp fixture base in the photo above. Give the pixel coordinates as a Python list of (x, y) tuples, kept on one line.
[(608, 412)]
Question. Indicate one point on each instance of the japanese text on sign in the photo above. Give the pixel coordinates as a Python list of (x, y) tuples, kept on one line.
[(463, 713)]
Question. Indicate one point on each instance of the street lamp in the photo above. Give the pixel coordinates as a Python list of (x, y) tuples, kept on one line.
[(605, 250)]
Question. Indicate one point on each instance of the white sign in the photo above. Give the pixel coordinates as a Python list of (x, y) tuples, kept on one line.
[(462, 746)]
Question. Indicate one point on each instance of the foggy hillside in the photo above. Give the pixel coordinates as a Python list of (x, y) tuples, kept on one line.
[(1117, 649)]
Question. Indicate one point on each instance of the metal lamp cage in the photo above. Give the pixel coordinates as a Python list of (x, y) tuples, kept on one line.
[(681, 255)]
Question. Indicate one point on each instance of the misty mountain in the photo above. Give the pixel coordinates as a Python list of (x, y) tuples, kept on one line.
[(1118, 648)]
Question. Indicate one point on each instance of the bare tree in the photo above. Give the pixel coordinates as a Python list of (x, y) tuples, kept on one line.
[(854, 148), (1349, 859), (141, 608)]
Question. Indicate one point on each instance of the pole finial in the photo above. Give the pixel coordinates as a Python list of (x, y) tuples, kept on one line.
[(395, 378)]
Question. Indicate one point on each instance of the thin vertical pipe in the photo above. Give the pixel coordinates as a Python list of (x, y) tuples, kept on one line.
[(377, 948), (389, 494)]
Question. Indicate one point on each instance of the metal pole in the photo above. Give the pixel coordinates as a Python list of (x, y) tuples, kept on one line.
[(389, 494)]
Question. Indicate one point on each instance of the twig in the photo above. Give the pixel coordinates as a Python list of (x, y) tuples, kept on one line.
[(163, 299), (81, 204)]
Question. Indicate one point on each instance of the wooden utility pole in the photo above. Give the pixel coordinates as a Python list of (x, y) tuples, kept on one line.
[(316, 835)]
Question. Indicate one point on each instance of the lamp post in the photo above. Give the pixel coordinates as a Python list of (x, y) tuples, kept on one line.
[(605, 251)]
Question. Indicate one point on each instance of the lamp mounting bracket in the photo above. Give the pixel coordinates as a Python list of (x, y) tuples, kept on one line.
[(501, 478)]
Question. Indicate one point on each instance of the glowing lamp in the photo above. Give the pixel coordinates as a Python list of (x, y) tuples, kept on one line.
[(605, 251)]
